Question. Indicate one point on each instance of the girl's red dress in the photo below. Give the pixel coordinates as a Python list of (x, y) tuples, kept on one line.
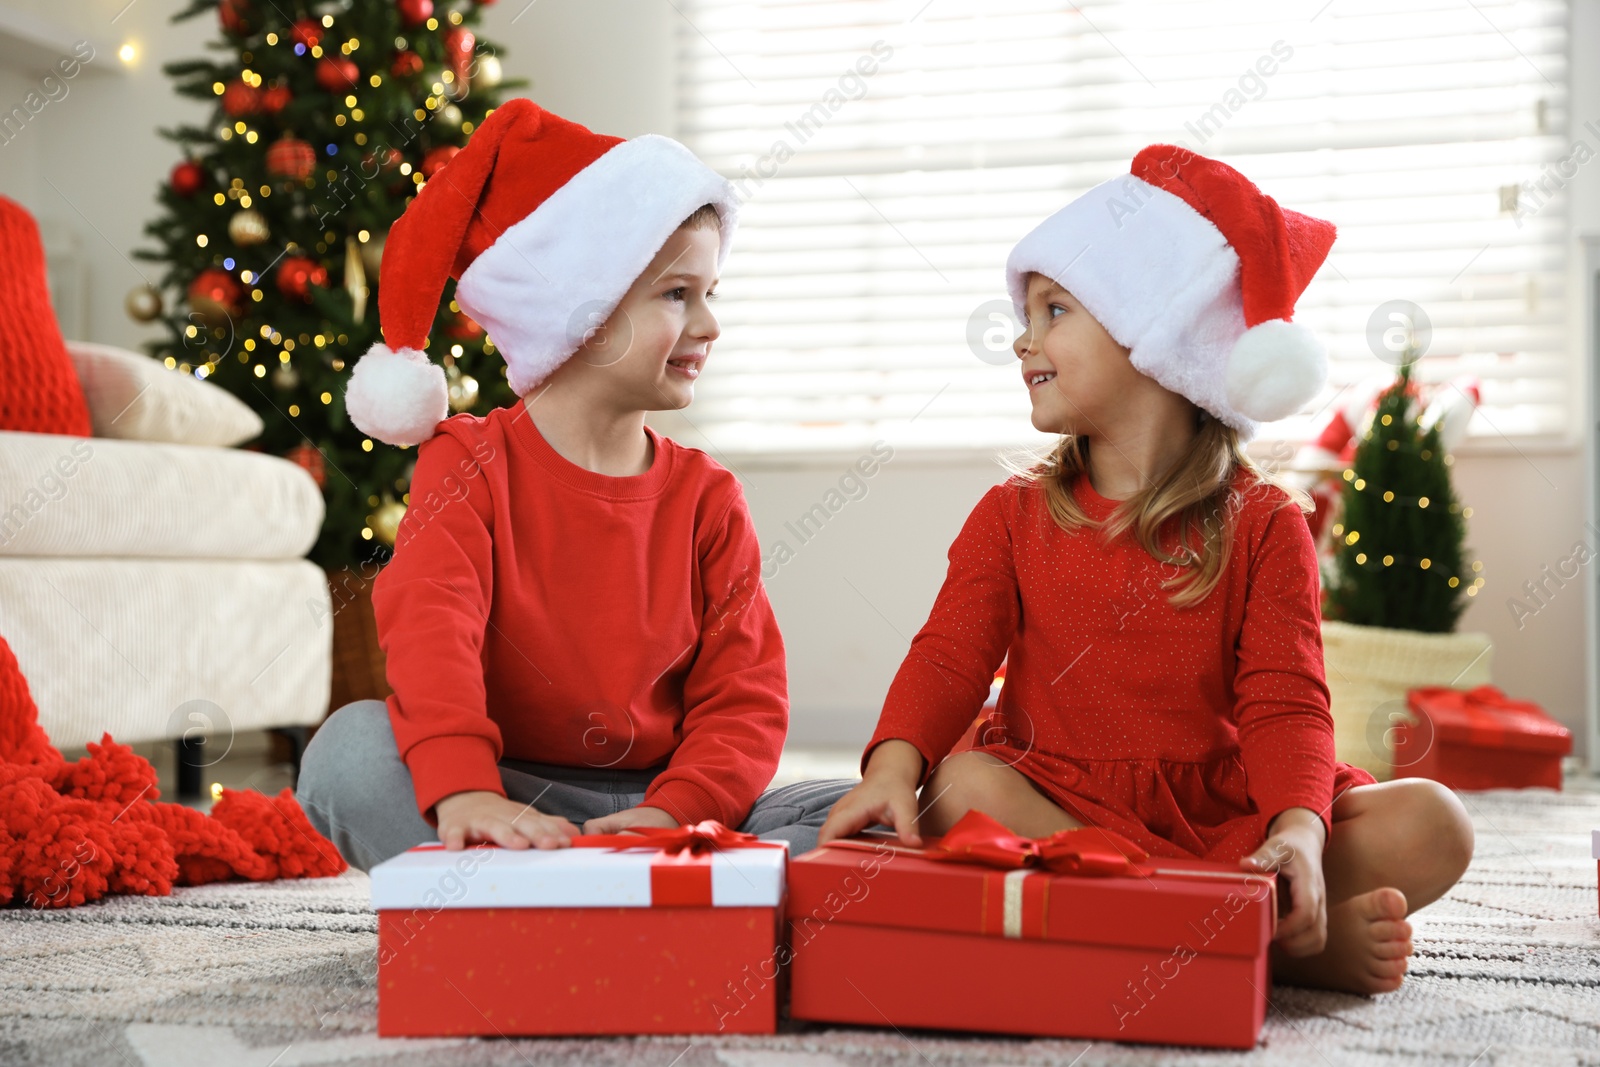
[(1185, 730)]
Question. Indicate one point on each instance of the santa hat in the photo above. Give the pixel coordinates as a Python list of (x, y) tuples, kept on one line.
[(545, 225), (1195, 271)]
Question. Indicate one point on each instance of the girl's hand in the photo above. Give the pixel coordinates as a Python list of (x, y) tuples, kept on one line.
[(887, 794), (1293, 849), (480, 815), (627, 819)]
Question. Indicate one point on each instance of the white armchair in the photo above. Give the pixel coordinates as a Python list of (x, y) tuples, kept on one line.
[(154, 589)]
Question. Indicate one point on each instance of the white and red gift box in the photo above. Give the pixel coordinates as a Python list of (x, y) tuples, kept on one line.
[(673, 932)]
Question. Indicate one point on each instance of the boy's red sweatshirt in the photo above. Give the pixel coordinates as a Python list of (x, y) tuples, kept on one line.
[(536, 610)]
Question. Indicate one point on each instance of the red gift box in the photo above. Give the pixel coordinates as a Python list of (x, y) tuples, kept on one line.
[(675, 932), (1077, 935), (1479, 739)]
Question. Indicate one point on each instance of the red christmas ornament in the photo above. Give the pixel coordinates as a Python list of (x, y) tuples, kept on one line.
[(415, 12), (239, 99), (307, 32), (337, 74), (187, 178), (383, 159), (275, 99), (216, 288), (463, 327), (290, 157), (310, 457), (458, 45), (235, 16), (298, 274), (435, 160), (407, 64)]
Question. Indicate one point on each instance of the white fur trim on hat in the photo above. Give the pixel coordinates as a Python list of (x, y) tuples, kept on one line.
[(1159, 277), (1275, 369), (564, 268), (396, 397)]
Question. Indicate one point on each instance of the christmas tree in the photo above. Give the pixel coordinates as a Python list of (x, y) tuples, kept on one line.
[(1398, 561), (329, 117)]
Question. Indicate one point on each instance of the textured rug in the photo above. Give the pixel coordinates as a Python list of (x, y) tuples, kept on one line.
[(278, 974)]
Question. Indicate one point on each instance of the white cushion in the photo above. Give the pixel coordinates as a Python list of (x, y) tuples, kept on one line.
[(89, 496), (151, 648), (136, 398)]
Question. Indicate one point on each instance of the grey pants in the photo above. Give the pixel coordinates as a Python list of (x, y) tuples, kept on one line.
[(357, 792)]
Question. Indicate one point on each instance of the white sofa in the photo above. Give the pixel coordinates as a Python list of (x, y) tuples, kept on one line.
[(153, 589)]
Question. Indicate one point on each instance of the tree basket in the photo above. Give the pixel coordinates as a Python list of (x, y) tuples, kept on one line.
[(1371, 668), (358, 661)]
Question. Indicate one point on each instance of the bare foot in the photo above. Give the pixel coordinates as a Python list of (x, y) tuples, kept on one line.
[(1368, 942)]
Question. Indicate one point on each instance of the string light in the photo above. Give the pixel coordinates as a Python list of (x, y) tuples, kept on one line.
[(1360, 486)]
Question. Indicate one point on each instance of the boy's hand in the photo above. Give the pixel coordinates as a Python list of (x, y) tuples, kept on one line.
[(1293, 850), (627, 819), (887, 794), (480, 815)]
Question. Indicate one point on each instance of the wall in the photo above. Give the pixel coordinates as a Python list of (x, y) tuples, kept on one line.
[(854, 594)]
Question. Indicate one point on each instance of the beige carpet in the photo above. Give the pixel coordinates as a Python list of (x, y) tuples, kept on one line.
[(1507, 972)]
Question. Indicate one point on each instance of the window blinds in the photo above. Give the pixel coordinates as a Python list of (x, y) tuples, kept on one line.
[(888, 154)]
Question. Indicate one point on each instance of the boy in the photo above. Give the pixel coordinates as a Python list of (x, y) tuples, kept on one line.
[(575, 630)]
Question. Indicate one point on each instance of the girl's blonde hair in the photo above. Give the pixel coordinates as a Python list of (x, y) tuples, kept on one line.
[(1193, 495)]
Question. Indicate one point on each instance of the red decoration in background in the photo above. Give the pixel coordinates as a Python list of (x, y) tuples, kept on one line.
[(458, 45), (462, 327), (239, 99), (75, 832), (235, 16), (310, 457), (307, 32), (407, 64), (275, 99), (414, 12), (383, 159), (435, 160), (218, 287), (290, 157), (188, 178), (337, 74), (298, 274)]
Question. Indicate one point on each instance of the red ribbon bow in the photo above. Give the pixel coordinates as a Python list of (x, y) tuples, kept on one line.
[(1088, 850), (697, 839)]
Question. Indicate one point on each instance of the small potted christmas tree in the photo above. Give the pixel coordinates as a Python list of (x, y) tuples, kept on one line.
[(1398, 582)]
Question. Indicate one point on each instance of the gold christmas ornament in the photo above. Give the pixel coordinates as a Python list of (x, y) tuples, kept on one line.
[(463, 389), (285, 377), (385, 521), (143, 303), (372, 252), (247, 228), (355, 278), (488, 74)]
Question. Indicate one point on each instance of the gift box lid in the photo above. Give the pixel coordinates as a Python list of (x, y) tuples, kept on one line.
[(1484, 717), (874, 879), (489, 876)]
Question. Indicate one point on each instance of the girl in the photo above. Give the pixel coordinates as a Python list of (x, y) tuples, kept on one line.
[(1154, 594)]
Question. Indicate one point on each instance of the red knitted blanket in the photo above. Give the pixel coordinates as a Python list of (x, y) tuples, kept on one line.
[(74, 832)]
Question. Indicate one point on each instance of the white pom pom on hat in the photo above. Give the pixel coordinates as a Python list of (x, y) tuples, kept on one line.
[(397, 397), (543, 223), (1194, 270)]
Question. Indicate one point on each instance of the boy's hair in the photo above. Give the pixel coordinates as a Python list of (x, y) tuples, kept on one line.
[(1194, 494), (703, 216)]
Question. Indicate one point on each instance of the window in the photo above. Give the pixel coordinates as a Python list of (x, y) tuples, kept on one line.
[(890, 153)]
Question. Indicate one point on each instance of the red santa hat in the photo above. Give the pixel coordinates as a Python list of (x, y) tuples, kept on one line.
[(545, 226), (1196, 272)]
